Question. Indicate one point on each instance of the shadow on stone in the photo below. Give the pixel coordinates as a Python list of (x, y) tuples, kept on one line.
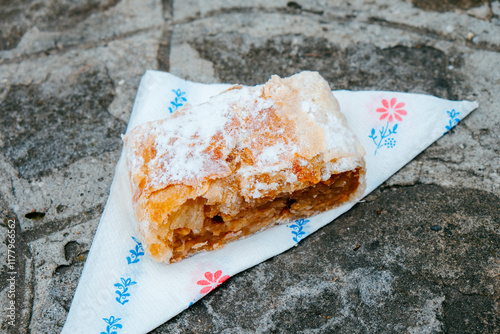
[(35, 215), (448, 5)]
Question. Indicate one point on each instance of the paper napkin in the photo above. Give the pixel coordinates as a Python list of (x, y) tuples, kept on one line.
[(122, 290)]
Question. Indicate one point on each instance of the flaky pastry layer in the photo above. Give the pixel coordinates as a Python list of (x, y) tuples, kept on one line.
[(245, 160)]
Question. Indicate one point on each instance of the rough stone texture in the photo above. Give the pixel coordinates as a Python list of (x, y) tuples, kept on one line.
[(420, 255), (361, 66), (58, 263), (43, 133), (36, 27), (381, 268)]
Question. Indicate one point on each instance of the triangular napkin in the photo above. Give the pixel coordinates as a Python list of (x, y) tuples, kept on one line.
[(123, 291)]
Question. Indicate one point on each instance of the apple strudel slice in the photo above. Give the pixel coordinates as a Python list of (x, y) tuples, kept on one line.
[(247, 159)]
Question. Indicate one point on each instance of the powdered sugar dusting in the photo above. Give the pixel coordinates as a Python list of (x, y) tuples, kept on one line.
[(309, 107), (192, 145), (338, 136), (271, 128), (182, 143)]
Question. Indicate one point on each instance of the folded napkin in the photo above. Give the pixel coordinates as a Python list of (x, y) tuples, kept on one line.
[(121, 290)]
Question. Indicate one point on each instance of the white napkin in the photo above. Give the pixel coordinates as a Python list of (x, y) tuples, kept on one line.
[(121, 290)]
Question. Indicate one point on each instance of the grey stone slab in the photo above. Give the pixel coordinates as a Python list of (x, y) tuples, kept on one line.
[(361, 66), (185, 62), (238, 42), (58, 263), (420, 259), (66, 197), (464, 21), (32, 27), (19, 16), (60, 145), (126, 61), (43, 132), (122, 61)]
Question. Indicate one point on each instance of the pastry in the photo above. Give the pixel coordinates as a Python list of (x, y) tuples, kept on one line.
[(247, 159)]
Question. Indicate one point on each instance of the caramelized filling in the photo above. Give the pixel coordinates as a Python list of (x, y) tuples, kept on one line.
[(218, 229)]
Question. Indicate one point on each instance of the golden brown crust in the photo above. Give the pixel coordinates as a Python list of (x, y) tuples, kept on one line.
[(248, 158)]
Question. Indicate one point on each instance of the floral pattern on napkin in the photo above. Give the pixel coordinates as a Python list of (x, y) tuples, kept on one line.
[(122, 291), (178, 101), (392, 111), (212, 281), (135, 253), (116, 295), (298, 229), (112, 325), (453, 119)]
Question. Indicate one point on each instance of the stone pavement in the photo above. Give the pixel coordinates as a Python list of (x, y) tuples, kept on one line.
[(419, 255)]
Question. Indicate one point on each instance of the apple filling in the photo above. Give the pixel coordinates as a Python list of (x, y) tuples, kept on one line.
[(196, 226)]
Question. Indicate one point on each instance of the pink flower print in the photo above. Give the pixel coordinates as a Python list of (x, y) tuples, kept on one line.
[(212, 281), (392, 110)]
